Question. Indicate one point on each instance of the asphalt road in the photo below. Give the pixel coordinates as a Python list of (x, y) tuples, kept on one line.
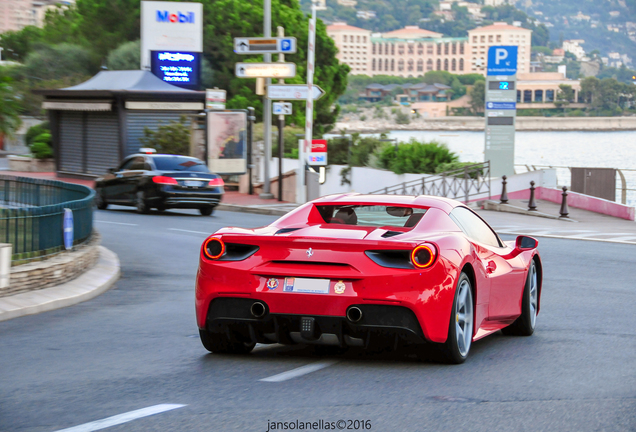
[(137, 346)]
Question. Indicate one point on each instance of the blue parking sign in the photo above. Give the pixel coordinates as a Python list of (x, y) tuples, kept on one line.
[(68, 229), (286, 45), (502, 60)]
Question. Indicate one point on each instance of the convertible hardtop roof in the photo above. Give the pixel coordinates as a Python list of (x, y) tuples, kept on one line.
[(428, 201)]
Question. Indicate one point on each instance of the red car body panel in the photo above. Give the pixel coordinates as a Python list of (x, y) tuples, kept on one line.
[(499, 273)]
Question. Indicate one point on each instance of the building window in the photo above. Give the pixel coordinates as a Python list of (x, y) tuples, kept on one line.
[(411, 49), (538, 95), (379, 48), (373, 65), (400, 49), (454, 48), (474, 39), (498, 38), (410, 65), (439, 49), (429, 49), (518, 96), (461, 48), (386, 64), (392, 49), (358, 39), (439, 64), (446, 48), (489, 38), (483, 39), (344, 38), (461, 64), (400, 65), (364, 39), (445, 64), (379, 64), (420, 65), (453, 65), (429, 65), (372, 48), (420, 49), (527, 96), (549, 95), (392, 65)]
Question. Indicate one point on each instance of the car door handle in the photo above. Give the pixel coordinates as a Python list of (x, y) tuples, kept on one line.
[(491, 267)]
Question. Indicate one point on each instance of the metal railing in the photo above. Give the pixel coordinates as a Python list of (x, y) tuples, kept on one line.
[(623, 189), (32, 212), (471, 181)]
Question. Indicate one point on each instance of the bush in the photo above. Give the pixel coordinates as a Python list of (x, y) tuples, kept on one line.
[(173, 138), (36, 130), (401, 118), (363, 118), (451, 166), (41, 150), (416, 157)]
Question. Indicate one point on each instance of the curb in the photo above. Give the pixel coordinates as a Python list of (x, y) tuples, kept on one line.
[(92, 283), (562, 237), (507, 208), (255, 210)]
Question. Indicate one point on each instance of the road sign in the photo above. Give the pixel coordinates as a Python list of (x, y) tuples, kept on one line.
[(67, 226), (265, 70), (501, 108), (282, 108), (317, 153), (285, 45), (293, 92), (215, 99), (502, 60)]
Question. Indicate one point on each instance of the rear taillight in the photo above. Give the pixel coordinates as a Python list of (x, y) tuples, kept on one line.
[(214, 248), (423, 256), (216, 182), (164, 180)]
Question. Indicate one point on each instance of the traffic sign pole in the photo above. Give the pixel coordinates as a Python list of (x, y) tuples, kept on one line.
[(267, 107), (301, 195), (281, 129)]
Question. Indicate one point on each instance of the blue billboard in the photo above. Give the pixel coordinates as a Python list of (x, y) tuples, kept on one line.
[(502, 60), (182, 69)]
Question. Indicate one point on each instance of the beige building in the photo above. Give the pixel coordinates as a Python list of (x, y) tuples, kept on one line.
[(539, 90), (412, 51), (482, 38), (17, 14)]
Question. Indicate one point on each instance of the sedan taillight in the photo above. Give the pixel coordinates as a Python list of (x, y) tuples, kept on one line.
[(164, 180), (216, 182)]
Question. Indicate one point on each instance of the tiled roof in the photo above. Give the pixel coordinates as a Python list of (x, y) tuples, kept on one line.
[(344, 26), (411, 30), (498, 27)]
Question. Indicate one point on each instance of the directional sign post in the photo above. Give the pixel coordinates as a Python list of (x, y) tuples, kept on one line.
[(265, 70), (284, 45), (501, 109), (293, 92), (282, 108)]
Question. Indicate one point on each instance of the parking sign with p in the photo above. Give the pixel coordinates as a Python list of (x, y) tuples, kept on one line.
[(502, 60)]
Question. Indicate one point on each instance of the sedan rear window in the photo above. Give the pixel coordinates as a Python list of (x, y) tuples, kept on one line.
[(371, 215), (179, 163)]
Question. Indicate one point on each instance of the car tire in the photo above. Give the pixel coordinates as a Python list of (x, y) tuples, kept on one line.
[(220, 343), (141, 204), (100, 202), (460, 329), (161, 208), (525, 324), (206, 211)]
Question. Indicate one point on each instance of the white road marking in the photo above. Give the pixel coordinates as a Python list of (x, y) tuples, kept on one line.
[(603, 234), (624, 238), (116, 223), (303, 370), (188, 231), (122, 418)]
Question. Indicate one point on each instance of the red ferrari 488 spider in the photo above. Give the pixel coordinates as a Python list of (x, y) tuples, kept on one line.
[(367, 270)]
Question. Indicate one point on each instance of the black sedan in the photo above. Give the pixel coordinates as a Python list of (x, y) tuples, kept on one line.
[(160, 181)]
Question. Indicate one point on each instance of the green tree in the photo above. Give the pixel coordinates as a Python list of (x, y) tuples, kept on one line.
[(54, 62), (9, 108), (17, 44), (564, 96), (478, 97), (126, 56), (416, 157), (172, 138)]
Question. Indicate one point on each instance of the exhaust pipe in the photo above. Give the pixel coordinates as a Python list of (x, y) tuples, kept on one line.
[(354, 314), (258, 310)]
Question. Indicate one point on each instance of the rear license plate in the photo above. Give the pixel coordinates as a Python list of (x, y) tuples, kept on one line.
[(193, 183), (305, 285)]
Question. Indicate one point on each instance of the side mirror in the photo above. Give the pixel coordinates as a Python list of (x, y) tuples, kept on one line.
[(526, 243)]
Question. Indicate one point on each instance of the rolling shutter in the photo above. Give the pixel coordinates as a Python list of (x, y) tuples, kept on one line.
[(71, 148), (102, 142), (138, 120)]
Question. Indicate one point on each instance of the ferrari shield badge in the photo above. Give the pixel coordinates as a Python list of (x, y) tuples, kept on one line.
[(339, 287), (309, 252), (272, 283)]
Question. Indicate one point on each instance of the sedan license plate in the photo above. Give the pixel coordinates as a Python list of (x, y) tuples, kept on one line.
[(193, 183), (306, 285)]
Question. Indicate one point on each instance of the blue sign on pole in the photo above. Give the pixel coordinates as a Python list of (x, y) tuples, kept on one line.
[(502, 60), (68, 229), (501, 105), (286, 45)]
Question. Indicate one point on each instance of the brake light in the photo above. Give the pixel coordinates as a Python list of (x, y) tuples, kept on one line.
[(423, 256), (216, 182), (213, 248), (164, 180)]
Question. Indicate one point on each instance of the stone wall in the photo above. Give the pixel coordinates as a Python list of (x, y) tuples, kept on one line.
[(55, 270)]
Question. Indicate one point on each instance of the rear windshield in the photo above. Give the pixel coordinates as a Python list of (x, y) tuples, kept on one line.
[(371, 215), (179, 163)]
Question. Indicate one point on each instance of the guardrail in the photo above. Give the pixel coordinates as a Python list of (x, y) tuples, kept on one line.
[(471, 181), (32, 212), (624, 188)]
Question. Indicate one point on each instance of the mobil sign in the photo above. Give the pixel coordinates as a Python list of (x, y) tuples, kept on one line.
[(170, 26), (317, 154)]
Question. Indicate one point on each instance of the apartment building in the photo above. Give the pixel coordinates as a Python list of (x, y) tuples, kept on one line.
[(500, 33), (412, 51), (17, 14)]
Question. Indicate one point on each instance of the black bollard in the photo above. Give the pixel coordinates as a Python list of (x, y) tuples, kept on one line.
[(532, 204), (504, 192), (564, 203)]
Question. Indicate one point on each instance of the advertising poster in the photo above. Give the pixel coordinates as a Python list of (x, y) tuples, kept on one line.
[(227, 142)]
